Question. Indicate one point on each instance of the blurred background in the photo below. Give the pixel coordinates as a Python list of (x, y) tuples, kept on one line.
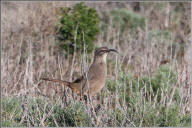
[(148, 83)]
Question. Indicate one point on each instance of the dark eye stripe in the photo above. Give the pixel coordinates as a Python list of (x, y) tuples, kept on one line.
[(102, 52)]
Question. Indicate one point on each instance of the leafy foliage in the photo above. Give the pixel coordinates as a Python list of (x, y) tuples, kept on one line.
[(78, 26)]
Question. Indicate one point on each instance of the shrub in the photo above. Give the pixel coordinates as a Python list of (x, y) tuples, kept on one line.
[(160, 34), (11, 112), (127, 19), (71, 116), (80, 22), (137, 93), (123, 20)]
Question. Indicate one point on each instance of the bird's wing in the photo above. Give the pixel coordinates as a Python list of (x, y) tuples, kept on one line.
[(78, 80), (56, 80)]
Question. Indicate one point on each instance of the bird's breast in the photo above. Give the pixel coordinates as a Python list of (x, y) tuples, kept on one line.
[(97, 77)]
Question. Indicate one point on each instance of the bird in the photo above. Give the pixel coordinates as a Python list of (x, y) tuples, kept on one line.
[(92, 81)]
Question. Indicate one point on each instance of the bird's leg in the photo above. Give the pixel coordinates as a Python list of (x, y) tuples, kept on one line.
[(81, 96), (97, 103), (85, 98)]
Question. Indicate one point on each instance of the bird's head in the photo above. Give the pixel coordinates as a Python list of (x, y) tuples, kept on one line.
[(102, 52)]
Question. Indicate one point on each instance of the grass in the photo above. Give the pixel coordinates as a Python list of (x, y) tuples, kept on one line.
[(148, 83), (142, 102)]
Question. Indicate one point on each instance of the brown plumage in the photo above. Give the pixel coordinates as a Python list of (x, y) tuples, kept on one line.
[(94, 79)]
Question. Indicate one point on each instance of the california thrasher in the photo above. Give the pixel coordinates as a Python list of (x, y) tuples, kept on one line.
[(94, 80)]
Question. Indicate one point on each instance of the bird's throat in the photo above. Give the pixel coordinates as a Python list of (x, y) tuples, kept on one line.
[(104, 58)]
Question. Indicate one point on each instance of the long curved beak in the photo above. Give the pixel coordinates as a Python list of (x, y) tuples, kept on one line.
[(113, 50)]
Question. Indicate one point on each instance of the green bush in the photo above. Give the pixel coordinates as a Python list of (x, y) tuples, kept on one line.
[(11, 108), (160, 34), (115, 117), (164, 79), (137, 93), (123, 20), (105, 24), (80, 22), (71, 116), (127, 19), (12, 112), (139, 108)]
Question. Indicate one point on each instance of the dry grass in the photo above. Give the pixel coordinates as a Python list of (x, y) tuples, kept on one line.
[(29, 52)]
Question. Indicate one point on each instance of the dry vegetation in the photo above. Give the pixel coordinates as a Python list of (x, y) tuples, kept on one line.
[(148, 83)]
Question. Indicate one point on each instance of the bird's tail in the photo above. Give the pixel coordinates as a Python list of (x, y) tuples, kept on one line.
[(57, 80)]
